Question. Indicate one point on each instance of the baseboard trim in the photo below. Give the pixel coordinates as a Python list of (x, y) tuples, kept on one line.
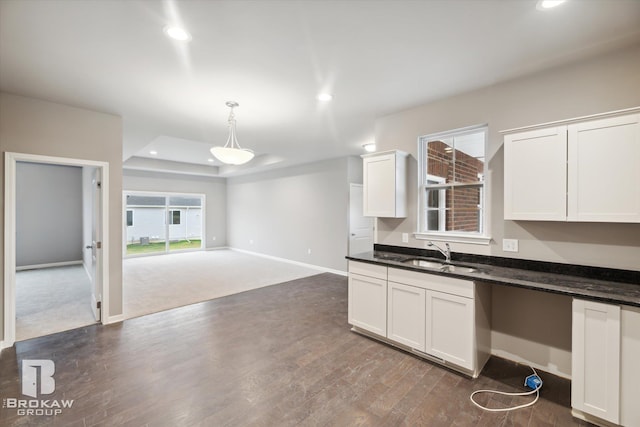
[(3, 346), (113, 319), (515, 358), (48, 265), (301, 264)]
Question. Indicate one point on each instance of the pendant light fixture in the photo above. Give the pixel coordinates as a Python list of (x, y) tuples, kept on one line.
[(232, 153)]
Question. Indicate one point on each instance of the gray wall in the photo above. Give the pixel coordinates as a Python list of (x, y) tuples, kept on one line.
[(48, 214), (33, 126), (214, 189), (606, 83), (286, 212)]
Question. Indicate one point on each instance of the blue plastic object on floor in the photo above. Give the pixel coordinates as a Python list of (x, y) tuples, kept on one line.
[(533, 382)]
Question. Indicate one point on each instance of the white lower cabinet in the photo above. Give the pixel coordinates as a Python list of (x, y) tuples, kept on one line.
[(605, 354), (368, 297), (406, 315), (450, 328), (595, 359), (432, 315), (629, 366)]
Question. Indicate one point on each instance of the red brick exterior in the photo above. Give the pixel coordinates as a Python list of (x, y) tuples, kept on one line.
[(461, 202)]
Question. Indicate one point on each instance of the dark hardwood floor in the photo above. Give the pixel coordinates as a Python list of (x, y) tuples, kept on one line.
[(277, 356)]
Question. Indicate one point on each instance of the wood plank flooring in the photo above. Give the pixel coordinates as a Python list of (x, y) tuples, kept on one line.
[(276, 356)]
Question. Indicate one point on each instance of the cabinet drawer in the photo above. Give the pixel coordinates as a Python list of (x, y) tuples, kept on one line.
[(370, 270), (449, 285)]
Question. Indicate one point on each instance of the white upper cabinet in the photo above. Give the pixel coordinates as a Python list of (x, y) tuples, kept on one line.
[(535, 170), (604, 170), (583, 170), (385, 184)]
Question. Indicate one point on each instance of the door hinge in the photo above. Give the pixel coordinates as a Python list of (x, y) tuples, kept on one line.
[(99, 304), (98, 245), (99, 184)]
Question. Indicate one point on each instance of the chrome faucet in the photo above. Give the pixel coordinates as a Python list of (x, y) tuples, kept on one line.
[(446, 253)]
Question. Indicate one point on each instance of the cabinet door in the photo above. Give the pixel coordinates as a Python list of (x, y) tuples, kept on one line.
[(629, 366), (368, 303), (603, 172), (595, 359), (406, 315), (381, 183), (535, 175), (450, 328)]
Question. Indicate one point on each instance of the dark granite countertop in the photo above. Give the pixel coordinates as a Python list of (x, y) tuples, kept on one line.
[(618, 287)]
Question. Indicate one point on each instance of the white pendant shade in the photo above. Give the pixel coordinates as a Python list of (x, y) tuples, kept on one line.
[(232, 156), (232, 153)]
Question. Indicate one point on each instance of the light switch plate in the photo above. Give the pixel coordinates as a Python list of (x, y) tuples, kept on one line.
[(510, 245), (405, 237)]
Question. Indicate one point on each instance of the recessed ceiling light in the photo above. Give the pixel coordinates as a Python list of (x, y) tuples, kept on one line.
[(153, 152), (325, 97), (177, 33), (548, 4), (370, 147)]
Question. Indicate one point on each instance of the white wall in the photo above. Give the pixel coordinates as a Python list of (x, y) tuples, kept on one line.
[(605, 83), (34, 126), (87, 218), (48, 214), (286, 212), (214, 189)]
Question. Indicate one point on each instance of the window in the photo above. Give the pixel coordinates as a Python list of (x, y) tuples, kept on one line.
[(174, 217), (163, 223), (452, 170)]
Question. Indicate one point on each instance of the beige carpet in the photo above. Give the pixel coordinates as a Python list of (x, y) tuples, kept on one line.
[(157, 283), (50, 300)]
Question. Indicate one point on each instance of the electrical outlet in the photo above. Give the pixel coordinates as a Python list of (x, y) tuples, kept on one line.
[(213, 238), (309, 251), (510, 245), (405, 237), (251, 241)]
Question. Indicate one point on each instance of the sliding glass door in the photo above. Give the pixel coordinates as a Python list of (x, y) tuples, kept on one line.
[(160, 223), (185, 222)]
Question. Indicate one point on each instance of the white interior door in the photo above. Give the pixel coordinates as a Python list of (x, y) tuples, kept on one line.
[(96, 243), (360, 226)]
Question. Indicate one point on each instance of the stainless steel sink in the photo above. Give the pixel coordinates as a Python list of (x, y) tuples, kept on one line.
[(425, 263), (436, 265), (458, 269)]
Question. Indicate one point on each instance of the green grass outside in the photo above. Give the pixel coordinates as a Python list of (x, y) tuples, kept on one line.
[(137, 248)]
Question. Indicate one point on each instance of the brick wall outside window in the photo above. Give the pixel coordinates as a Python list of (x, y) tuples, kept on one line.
[(461, 202)]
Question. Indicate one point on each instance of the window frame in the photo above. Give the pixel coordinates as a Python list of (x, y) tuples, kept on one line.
[(172, 217), (129, 223), (481, 237)]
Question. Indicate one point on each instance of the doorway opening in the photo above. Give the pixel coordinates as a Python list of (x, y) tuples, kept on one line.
[(361, 228), (55, 245)]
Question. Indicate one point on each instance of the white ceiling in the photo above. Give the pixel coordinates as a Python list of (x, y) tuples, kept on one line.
[(273, 57)]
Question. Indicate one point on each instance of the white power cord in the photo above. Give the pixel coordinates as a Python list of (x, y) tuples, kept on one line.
[(537, 385)]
